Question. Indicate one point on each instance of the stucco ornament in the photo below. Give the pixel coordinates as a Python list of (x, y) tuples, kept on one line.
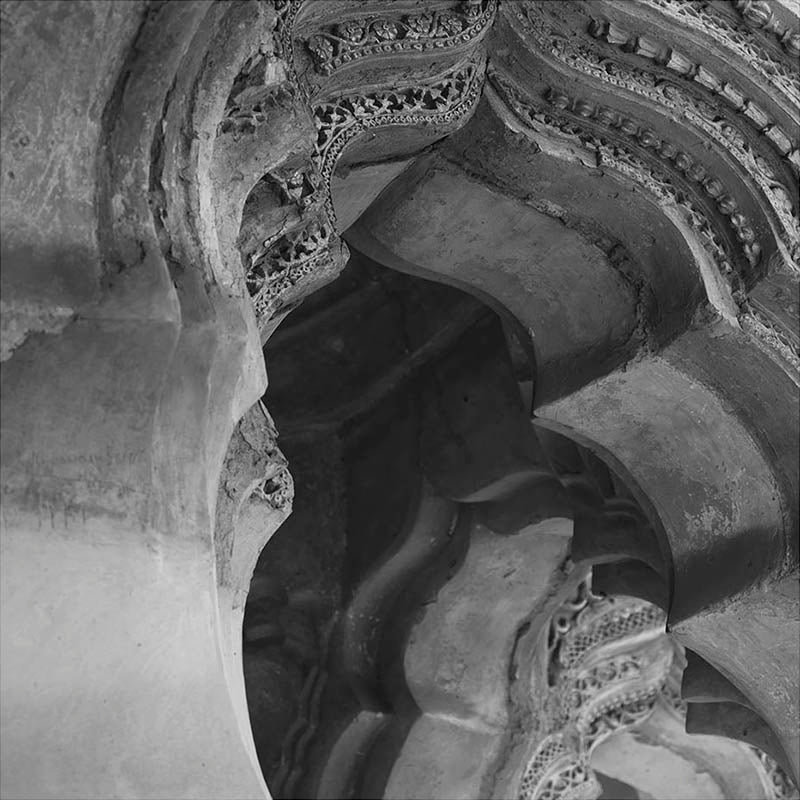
[(310, 252), (338, 45), (608, 662)]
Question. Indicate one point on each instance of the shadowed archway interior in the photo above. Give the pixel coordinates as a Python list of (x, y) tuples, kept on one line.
[(400, 399)]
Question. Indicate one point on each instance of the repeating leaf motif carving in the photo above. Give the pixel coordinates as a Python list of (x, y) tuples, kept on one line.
[(701, 114), (694, 74), (355, 39), (701, 17), (623, 160)]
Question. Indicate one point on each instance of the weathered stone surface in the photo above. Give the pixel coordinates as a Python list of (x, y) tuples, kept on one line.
[(617, 181)]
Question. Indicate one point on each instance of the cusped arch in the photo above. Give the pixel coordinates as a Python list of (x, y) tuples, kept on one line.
[(214, 104)]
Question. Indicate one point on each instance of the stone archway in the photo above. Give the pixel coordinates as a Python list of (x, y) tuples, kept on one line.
[(206, 156)]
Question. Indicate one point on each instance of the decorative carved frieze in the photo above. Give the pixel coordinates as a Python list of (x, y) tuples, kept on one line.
[(760, 14), (778, 194), (671, 156), (680, 64), (685, 105), (354, 39), (608, 661), (287, 11), (739, 39), (617, 155), (311, 253), (572, 779), (315, 249), (609, 665), (280, 270), (440, 102)]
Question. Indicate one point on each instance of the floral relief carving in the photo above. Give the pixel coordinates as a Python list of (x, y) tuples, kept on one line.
[(282, 268), (354, 39), (609, 664)]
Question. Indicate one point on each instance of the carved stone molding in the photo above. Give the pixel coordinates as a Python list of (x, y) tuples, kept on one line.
[(671, 156), (760, 14), (310, 253), (772, 338), (776, 191), (778, 783), (739, 39), (685, 103), (615, 154), (608, 661), (287, 267), (442, 101), (680, 64), (610, 664), (354, 39), (287, 11)]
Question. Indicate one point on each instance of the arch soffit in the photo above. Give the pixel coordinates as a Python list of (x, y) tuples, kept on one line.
[(730, 250)]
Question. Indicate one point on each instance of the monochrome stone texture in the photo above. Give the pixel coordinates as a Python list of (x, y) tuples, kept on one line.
[(400, 399)]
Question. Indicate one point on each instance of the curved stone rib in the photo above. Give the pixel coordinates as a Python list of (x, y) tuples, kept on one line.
[(751, 639), (608, 537), (361, 622), (632, 578), (779, 784), (682, 103), (639, 135), (783, 142), (739, 41), (736, 722), (609, 524), (291, 265), (702, 683), (664, 183), (441, 101)]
